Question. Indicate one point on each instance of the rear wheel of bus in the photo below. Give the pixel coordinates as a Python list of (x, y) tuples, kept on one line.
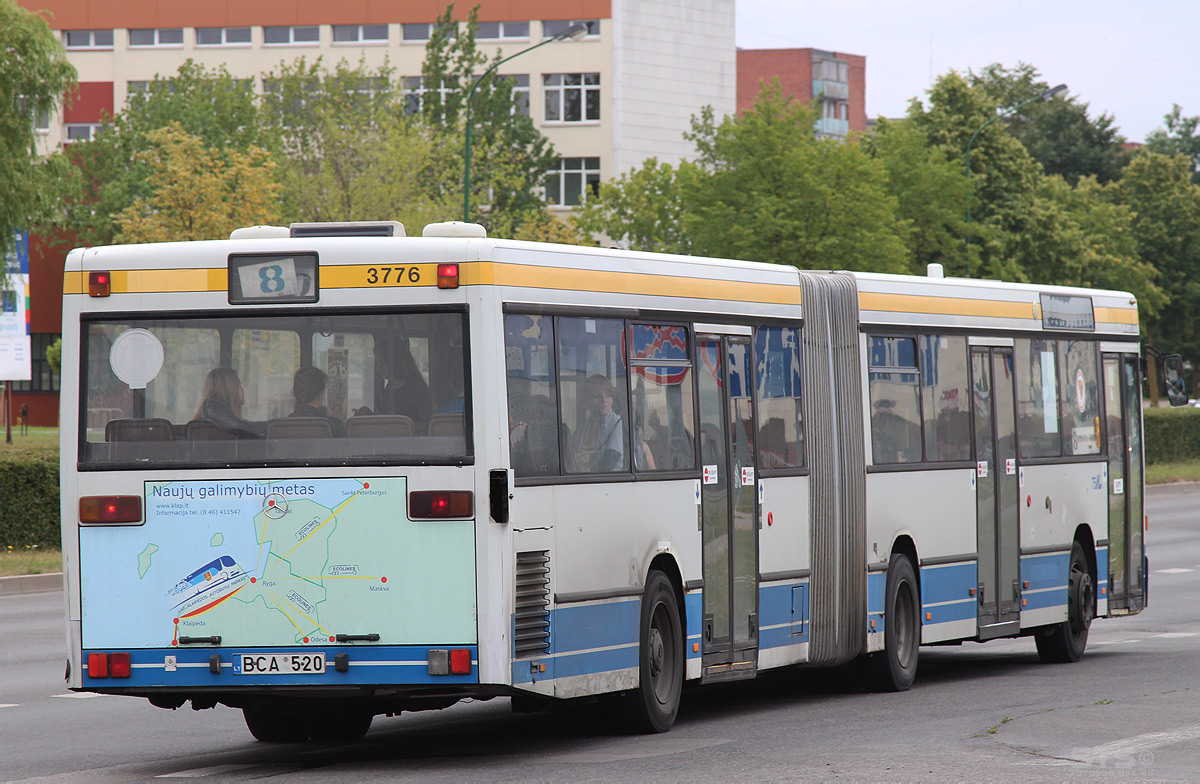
[(895, 668), (272, 724), (653, 705)]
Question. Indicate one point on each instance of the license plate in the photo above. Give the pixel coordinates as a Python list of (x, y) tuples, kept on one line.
[(279, 664)]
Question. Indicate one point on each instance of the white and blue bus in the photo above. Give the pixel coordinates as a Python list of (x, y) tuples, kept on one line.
[(329, 472)]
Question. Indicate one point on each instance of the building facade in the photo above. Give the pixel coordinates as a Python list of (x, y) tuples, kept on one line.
[(836, 81), (623, 93)]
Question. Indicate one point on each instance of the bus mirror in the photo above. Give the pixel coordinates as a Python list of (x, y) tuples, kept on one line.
[(498, 494), (1173, 377)]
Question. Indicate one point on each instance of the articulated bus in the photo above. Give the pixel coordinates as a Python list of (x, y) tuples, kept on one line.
[(328, 472)]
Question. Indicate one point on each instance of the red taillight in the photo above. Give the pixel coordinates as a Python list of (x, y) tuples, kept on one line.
[(447, 276), (460, 661), (98, 665), (99, 284), (118, 665), (110, 509), (438, 504)]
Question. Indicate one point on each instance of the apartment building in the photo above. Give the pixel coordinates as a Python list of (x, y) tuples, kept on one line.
[(625, 92), (837, 81)]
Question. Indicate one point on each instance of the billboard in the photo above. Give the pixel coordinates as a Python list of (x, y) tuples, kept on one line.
[(15, 362)]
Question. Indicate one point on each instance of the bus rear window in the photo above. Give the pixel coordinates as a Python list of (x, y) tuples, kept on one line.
[(320, 389)]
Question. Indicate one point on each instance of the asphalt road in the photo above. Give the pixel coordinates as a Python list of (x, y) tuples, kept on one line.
[(1129, 710)]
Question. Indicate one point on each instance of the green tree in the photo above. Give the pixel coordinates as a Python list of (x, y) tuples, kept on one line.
[(1179, 136), (34, 76), (509, 156), (212, 105), (931, 194), (643, 208), (1165, 205), (1058, 133), (198, 192)]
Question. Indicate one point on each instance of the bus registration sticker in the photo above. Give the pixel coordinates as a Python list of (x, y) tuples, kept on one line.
[(279, 664)]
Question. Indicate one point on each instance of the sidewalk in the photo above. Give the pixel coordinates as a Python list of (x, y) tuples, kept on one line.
[(31, 583)]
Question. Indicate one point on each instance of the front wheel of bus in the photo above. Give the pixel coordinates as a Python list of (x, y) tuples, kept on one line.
[(653, 705), (1066, 641), (895, 668), (273, 725)]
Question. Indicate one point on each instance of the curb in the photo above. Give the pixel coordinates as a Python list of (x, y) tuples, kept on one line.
[(31, 583)]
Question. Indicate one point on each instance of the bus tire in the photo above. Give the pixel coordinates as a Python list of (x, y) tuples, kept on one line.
[(654, 704), (273, 725), (895, 668), (1066, 641), (337, 727)]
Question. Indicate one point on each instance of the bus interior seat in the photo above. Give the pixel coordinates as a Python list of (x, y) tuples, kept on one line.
[(300, 427), (447, 425), (379, 426), (149, 429), (203, 430)]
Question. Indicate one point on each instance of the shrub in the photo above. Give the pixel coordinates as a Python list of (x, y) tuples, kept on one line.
[(1172, 434), (29, 511)]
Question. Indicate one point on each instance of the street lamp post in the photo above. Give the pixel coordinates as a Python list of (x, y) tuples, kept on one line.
[(1045, 95), (574, 33), (1042, 96)]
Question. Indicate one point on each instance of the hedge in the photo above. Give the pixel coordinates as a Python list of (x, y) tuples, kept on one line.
[(29, 500), (1172, 434)]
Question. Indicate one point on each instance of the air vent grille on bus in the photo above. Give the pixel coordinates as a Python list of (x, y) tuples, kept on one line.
[(531, 632)]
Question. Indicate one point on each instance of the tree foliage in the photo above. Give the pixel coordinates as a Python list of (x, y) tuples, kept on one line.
[(1179, 136), (34, 76), (212, 105), (198, 192)]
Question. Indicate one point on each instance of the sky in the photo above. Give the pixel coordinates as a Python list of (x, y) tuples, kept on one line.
[(1131, 59)]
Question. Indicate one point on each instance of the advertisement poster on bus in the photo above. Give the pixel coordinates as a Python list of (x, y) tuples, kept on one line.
[(15, 364)]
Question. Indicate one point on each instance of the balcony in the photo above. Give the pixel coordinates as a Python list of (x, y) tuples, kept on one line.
[(837, 91), (828, 126)]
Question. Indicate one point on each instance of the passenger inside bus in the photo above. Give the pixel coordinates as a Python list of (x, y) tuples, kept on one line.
[(600, 443), (399, 386), (221, 404), (308, 387)]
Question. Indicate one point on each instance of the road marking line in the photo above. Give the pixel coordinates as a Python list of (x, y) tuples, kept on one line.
[(9, 705), (1177, 570), (199, 773), (1114, 642), (80, 696), (1178, 634), (1123, 749)]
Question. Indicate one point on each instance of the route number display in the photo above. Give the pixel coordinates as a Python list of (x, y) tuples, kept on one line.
[(279, 664), (257, 279)]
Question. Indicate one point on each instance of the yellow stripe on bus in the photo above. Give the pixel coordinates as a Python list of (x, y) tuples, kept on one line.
[(956, 306)]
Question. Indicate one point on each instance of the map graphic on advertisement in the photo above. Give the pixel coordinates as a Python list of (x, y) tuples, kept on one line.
[(276, 563)]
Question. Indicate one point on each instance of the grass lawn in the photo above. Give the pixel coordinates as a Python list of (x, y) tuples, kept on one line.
[(1162, 473), (31, 561), (39, 439)]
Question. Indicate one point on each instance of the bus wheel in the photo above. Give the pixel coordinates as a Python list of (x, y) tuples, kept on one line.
[(1065, 642), (653, 705), (273, 725), (337, 727), (895, 667)]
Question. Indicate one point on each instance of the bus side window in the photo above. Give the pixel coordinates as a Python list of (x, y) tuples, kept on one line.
[(945, 397), (662, 406), (594, 393), (1037, 397), (1079, 397), (532, 397), (780, 410), (895, 400)]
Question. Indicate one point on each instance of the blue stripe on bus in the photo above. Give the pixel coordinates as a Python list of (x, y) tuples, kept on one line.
[(946, 593), (782, 615), (1047, 576), (1102, 575), (876, 600), (377, 664)]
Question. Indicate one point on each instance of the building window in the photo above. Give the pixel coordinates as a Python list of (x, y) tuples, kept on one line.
[(287, 36), (222, 36), (88, 39), (43, 377), (164, 36), (565, 185), (495, 31), (414, 93), (520, 88), (571, 97), (360, 34), (416, 32), (558, 27), (41, 120), (831, 70), (81, 132)]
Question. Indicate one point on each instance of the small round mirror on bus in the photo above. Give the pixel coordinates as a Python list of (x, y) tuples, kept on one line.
[(136, 357)]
